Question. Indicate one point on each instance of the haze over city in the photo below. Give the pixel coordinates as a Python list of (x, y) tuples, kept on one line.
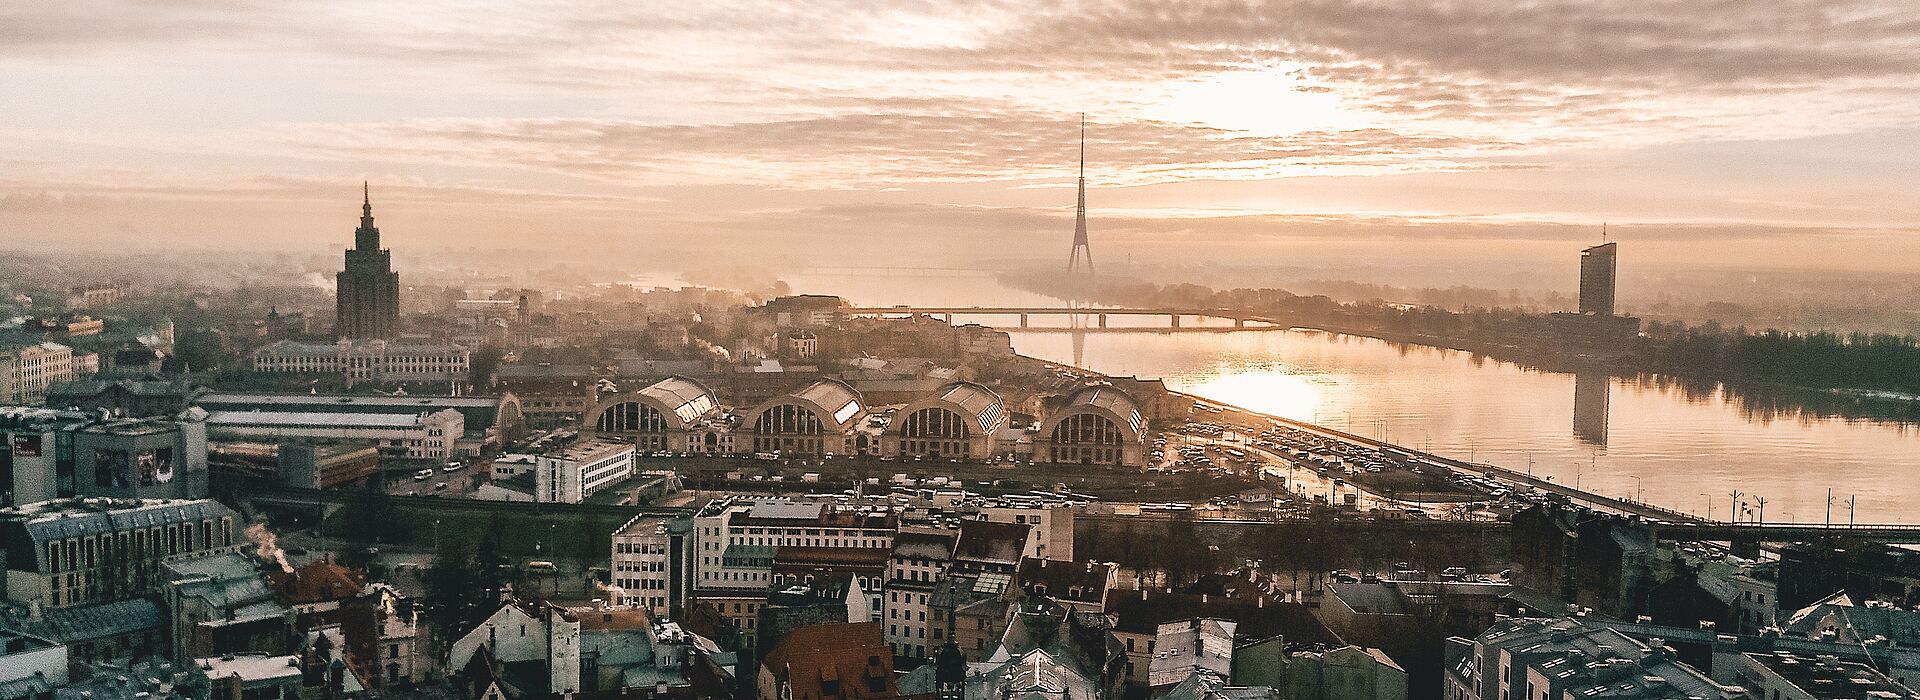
[(969, 350), (1769, 134)]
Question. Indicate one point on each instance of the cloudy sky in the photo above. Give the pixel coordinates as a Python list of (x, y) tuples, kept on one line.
[(1760, 132)]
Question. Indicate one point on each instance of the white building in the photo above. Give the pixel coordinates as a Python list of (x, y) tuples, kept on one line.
[(420, 435), (1051, 536), (1186, 647), (643, 566), (511, 465), (528, 631), (572, 473), (735, 539), (27, 370), (365, 360), (31, 666), (921, 557)]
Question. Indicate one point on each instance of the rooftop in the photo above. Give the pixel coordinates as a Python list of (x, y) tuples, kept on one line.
[(1827, 678), (311, 419)]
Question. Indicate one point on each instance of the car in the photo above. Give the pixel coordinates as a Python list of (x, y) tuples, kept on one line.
[(423, 475), (451, 468), (440, 486)]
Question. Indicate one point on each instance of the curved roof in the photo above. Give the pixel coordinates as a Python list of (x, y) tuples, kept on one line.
[(984, 410), (687, 399), (833, 400), (1101, 398), (680, 400)]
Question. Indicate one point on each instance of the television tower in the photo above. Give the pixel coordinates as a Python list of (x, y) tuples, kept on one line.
[(1080, 247)]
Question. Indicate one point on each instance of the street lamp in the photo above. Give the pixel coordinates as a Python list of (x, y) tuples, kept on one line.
[(1639, 491)]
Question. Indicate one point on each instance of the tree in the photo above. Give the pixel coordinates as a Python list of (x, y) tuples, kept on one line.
[(481, 366), (459, 597)]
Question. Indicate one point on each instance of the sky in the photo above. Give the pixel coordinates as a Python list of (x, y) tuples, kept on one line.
[(1455, 132)]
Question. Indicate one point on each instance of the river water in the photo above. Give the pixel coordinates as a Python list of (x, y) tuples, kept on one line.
[(1611, 435)]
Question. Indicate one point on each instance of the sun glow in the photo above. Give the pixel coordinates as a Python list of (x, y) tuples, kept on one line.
[(1271, 102), (1273, 392)]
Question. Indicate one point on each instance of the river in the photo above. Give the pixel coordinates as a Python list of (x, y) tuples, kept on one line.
[(1611, 435)]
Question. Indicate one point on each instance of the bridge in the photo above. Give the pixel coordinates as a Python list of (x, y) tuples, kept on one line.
[(894, 271), (1785, 532), (1240, 319)]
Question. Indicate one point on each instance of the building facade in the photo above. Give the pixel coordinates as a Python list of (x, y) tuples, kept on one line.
[(572, 473), (674, 414), (958, 421), (651, 564), (411, 435), (367, 296), (26, 371), (1597, 267), (365, 360), (1097, 425), (69, 553)]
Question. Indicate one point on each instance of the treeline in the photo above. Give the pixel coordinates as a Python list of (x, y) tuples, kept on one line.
[(1705, 353), (1874, 361)]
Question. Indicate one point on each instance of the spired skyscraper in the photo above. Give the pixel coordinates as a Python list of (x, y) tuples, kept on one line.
[(367, 298)]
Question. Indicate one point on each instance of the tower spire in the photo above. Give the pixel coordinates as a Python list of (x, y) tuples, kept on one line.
[(367, 237), (1080, 247)]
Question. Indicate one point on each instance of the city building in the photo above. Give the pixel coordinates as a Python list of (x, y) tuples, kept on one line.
[(1569, 659), (1051, 533), (28, 370), (1847, 619), (992, 547), (916, 567), (864, 569), (78, 552), (142, 457), (571, 473), (828, 662), (94, 296), (1319, 671), (526, 631), (805, 310), (534, 649), (125, 396), (801, 344), (1597, 267), (819, 420), (736, 540), (486, 421), (1081, 586), (673, 414), (552, 396), (1095, 425), (1189, 647), (47, 454), (360, 360), (1786, 675), (973, 610), (223, 604), (1138, 615), (423, 435), (30, 666), (961, 420), (310, 465), (367, 297), (652, 566)]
